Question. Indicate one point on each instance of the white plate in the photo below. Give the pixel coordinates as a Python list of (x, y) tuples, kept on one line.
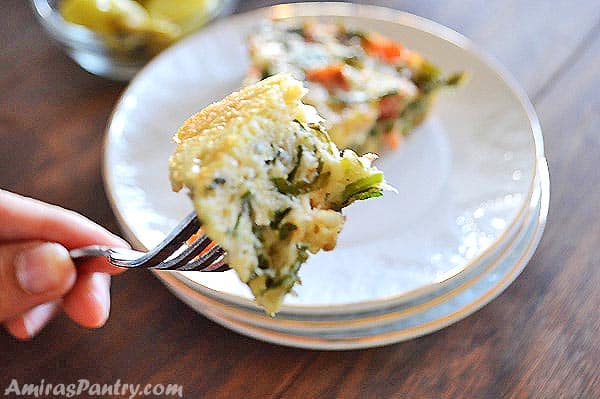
[(465, 177), (396, 323)]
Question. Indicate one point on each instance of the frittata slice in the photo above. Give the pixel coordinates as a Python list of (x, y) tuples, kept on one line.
[(371, 90), (267, 182)]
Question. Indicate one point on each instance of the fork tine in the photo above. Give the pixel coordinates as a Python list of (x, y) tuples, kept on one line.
[(188, 227), (195, 249), (187, 260), (205, 261), (219, 266)]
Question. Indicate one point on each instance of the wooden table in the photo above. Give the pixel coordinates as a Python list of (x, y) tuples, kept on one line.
[(539, 339)]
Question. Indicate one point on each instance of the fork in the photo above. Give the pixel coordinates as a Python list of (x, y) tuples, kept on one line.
[(173, 253)]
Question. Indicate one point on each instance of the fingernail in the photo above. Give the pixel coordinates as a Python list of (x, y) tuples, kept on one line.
[(44, 268), (101, 292), (35, 319)]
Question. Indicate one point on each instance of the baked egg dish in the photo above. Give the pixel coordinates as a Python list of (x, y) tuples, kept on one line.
[(371, 90), (268, 183)]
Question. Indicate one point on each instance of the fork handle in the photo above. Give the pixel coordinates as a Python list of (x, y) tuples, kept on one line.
[(90, 251)]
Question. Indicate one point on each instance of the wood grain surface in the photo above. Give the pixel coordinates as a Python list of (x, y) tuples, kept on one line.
[(539, 339)]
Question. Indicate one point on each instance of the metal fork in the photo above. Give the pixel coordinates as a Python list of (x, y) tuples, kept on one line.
[(173, 253)]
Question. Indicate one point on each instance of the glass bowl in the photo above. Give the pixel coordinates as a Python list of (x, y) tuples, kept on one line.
[(114, 56)]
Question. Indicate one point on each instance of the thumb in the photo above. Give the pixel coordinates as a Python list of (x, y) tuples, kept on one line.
[(33, 273)]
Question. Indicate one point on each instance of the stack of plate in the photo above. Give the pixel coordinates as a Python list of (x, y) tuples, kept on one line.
[(473, 192)]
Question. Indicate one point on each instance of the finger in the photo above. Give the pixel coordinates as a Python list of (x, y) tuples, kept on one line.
[(34, 220), (88, 302), (32, 273), (27, 325), (98, 265)]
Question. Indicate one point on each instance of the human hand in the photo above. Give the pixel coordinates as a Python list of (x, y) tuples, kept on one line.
[(37, 276)]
